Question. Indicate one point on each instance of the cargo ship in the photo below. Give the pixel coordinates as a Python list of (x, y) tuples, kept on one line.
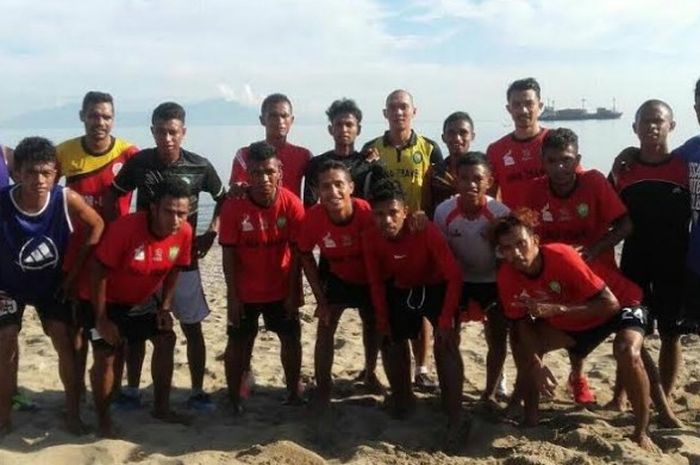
[(578, 114)]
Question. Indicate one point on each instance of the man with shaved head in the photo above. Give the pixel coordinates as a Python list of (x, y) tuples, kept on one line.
[(407, 156)]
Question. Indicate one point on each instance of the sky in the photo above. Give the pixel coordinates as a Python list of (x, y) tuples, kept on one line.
[(451, 54)]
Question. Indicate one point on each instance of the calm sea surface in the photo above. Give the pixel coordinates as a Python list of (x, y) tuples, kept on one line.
[(600, 141)]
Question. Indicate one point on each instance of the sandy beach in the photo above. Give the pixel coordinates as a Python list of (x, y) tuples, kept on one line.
[(356, 430)]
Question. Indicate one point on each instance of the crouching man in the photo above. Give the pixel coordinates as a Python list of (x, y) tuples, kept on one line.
[(555, 301)]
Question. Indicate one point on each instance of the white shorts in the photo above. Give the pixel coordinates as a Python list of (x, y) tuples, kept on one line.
[(189, 304)]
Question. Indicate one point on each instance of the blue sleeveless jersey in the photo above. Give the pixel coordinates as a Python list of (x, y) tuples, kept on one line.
[(32, 246), (4, 172)]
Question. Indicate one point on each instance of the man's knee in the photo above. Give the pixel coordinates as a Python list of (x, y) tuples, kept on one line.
[(627, 348), (165, 340), (9, 342)]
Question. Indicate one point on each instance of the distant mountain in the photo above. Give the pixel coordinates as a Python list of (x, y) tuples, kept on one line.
[(214, 112)]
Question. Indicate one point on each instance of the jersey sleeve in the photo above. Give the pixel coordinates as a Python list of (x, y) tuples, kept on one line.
[(238, 166), (127, 179), (436, 153), (229, 234), (213, 184), (295, 218), (184, 258), (491, 156), (307, 237), (578, 275), (374, 277), (610, 206), (453, 274)]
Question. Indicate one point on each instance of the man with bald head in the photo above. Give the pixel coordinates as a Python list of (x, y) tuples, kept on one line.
[(407, 156)]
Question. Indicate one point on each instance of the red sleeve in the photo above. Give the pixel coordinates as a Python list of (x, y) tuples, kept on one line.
[(296, 217), (610, 204), (493, 162), (578, 275), (453, 274), (185, 256), (307, 238), (238, 167), (507, 290), (374, 277), (113, 243), (228, 227)]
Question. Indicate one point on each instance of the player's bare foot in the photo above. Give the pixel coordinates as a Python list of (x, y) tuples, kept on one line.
[(617, 404), (646, 443), (670, 421)]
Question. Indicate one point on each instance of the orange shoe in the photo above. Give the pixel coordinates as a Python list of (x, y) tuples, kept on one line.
[(581, 390)]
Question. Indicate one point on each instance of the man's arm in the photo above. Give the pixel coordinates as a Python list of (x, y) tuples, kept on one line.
[(98, 295), (165, 319), (604, 303), (233, 302), (80, 210), (293, 299), (621, 228)]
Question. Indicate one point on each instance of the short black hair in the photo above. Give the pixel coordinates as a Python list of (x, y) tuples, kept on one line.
[(457, 116), (653, 103), (167, 111), (171, 186), (697, 90), (386, 189), (34, 150), (559, 139), (522, 85), (342, 106), (261, 151), (519, 218), (272, 99), (473, 159), (330, 165), (94, 97)]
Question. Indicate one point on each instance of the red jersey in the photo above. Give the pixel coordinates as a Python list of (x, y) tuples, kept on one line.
[(513, 163), (413, 259), (340, 244), (262, 239), (565, 279), (136, 260), (294, 160), (628, 294), (582, 218)]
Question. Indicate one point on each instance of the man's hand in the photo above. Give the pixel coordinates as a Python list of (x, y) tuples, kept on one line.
[(204, 243), (238, 190), (164, 319), (418, 221), (624, 160), (545, 310), (371, 155), (546, 380), (108, 330)]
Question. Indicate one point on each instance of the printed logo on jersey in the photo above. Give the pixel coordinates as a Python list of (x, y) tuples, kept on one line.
[(328, 241), (186, 179), (246, 225), (116, 168), (173, 252), (400, 257), (555, 286), (140, 253), (417, 158), (38, 253), (281, 222), (582, 210), (158, 255), (508, 159), (546, 214)]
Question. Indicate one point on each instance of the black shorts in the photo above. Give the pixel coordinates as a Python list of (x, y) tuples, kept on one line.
[(690, 317), (274, 316), (486, 295), (408, 307), (663, 293), (132, 327), (345, 294), (634, 318), (12, 311)]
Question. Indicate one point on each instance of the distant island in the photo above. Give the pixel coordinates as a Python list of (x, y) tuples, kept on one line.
[(213, 112)]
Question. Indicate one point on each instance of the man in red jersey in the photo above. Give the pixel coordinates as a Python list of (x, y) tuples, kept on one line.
[(139, 253), (555, 301), (655, 190), (336, 226), (515, 158), (413, 275), (90, 164), (259, 235), (277, 116)]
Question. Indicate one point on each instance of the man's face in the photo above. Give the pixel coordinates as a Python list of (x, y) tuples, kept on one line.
[(168, 135), (389, 217), (334, 190), (344, 128), (399, 111), (458, 136), (98, 120), (519, 248), (473, 181), (560, 165), (278, 120), (264, 177), (524, 107), (653, 125), (37, 178), (697, 108), (169, 214)]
